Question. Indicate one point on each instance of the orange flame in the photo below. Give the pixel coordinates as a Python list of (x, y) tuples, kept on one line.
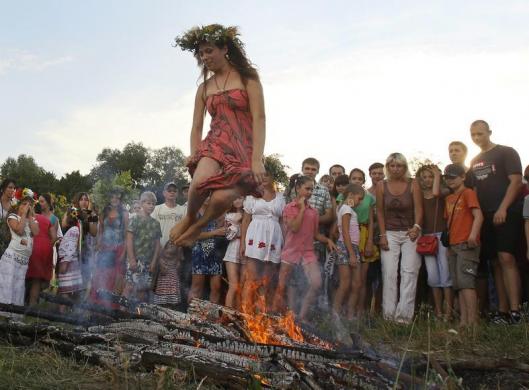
[(264, 328)]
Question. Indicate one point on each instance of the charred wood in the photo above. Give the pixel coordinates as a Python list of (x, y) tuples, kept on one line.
[(46, 315), (139, 331), (305, 375), (115, 314)]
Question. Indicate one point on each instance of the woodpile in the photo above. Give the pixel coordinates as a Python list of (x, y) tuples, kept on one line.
[(210, 339)]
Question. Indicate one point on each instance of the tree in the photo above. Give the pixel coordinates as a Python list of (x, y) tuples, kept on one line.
[(103, 188), (25, 171), (110, 162), (165, 165), (73, 182)]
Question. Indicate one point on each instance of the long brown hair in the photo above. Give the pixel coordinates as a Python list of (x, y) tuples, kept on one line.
[(237, 58)]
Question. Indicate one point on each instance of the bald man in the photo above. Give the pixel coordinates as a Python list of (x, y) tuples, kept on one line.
[(497, 178)]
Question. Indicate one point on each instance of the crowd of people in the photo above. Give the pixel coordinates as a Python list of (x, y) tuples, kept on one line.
[(338, 244), (320, 245)]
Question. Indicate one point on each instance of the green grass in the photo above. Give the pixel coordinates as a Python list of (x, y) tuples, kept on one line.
[(446, 340), (43, 368)]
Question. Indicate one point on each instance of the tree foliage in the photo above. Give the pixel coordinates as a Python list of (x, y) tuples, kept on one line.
[(110, 162), (122, 182), (73, 182), (165, 165), (149, 168), (25, 171)]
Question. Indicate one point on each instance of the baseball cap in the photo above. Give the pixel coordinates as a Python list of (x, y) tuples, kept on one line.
[(170, 184), (454, 170)]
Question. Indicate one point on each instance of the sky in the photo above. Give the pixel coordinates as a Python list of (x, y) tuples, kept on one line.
[(346, 82)]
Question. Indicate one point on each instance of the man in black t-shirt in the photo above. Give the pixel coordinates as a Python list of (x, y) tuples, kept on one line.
[(497, 178)]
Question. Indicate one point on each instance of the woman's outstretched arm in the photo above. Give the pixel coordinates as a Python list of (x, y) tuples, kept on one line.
[(257, 109)]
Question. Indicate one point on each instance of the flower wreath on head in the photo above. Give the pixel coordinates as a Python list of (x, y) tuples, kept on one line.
[(22, 193), (213, 33), (73, 213)]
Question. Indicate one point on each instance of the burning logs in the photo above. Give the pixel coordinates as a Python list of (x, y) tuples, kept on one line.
[(214, 341), (260, 328)]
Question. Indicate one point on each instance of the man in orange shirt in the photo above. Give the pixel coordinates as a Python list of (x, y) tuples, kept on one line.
[(464, 220)]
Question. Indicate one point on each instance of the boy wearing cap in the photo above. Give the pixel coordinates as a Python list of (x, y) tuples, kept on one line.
[(169, 212), (464, 220)]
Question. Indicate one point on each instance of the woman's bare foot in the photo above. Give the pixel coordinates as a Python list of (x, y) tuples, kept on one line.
[(188, 237), (180, 228)]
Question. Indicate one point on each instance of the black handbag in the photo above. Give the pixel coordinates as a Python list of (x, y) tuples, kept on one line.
[(445, 235)]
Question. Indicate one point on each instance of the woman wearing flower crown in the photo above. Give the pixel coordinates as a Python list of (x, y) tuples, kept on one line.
[(14, 261), (228, 163)]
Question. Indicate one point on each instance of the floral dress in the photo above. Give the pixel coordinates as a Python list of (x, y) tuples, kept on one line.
[(264, 237), (14, 264), (204, 257)]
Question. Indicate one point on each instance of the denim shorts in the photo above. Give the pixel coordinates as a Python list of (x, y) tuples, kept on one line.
[(342, 255)]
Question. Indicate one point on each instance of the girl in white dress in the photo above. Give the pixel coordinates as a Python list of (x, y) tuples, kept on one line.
[(14, 261), (69, 267), (232, 258), (261, 242)]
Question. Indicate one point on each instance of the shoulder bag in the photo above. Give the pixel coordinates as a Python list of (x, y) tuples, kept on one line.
[(429, 245)]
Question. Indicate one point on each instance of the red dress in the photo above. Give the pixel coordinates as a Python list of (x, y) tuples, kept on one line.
[(41, 261), (229, 142)]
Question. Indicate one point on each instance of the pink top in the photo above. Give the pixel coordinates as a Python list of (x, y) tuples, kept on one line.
[(298, 244), (354, 228)]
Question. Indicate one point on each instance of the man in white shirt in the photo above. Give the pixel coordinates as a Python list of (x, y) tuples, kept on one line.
[(168, 213)]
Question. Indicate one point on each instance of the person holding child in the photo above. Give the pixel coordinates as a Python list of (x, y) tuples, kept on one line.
[(143, 249), (464, 220)]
